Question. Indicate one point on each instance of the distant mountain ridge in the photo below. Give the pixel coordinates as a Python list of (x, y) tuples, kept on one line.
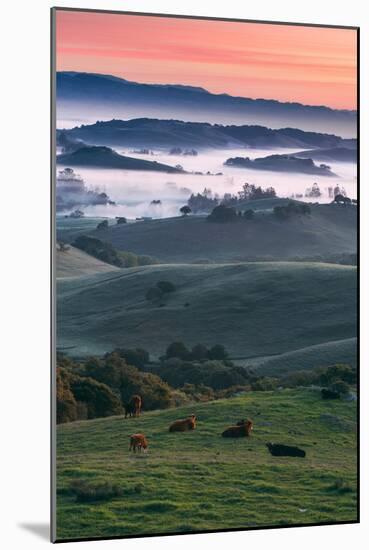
[(165, 134), (110, 96)]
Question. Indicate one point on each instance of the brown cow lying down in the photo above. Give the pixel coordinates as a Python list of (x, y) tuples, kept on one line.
[(139, 442), (242, 429), (183, 425), (277, 449)]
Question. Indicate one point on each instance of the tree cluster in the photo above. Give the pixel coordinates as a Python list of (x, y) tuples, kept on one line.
[(290, 210), (107, 253)]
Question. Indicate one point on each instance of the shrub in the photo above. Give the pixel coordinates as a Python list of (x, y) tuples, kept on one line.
[(212, 374), (199, 352), (155, 393), (128, 259), (299, 378), (166, 286), (105, 371), (137, 357), (340, 387), (338, 372), (198, 392), (146, 260), (98, 397), (223, 214), (185, 210), (102, 225), (217, 352), (98, 249), (66, 406), (126, 380), (177, 349), (292, 208), (264, 384), (82, 397)]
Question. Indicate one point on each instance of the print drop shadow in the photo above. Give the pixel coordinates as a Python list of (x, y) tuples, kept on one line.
[(42, 530)]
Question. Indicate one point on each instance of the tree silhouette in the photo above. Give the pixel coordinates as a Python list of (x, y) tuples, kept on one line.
[(185, 210)]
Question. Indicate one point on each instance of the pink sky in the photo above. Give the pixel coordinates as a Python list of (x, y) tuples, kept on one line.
[(311, 65)]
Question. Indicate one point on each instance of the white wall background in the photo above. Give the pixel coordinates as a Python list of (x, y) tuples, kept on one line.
[(24, 253)]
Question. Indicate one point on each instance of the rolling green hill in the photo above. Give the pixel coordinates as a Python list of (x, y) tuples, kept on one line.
[(322, 355), (68, 229), (254, 309), (104, 157), (330, 229), (74, 263), (200, 481)]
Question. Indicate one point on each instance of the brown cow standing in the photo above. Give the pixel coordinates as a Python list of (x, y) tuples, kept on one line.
[(139, 442), (243, 429), (135, 405), (183, 425)]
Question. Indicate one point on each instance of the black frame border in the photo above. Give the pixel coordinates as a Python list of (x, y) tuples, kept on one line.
[(53, 508)]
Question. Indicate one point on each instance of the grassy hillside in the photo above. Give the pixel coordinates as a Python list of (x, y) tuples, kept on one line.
[(201, 481), (322, 355), (68, 229), (329, 229), (104, 157), (74, 263), (253, 309)]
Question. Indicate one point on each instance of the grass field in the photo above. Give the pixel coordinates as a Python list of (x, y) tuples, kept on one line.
[(76, 263), (330, 229), (200, 481), (254, 309)]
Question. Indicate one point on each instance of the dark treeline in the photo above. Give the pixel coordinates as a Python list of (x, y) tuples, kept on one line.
[(101, 386), (224, 214), (206, 201), (107, 253)]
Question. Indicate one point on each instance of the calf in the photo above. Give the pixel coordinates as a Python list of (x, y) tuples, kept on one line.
[(139, 442), (242, 429), (183, 425), (277, 449)]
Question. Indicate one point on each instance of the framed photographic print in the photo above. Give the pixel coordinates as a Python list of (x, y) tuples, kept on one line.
[(204, 271)]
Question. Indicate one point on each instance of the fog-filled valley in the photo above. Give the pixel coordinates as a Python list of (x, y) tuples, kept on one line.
[(200, 157), (133, 191)]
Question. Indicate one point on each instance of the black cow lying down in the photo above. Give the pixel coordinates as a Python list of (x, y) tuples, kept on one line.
[(330, 394), (277, 449)]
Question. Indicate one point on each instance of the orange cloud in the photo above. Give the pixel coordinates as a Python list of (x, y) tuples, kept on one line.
[(311, 65)]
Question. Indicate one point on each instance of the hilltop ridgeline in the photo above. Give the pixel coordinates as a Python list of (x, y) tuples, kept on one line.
[(166, 134), (281, 163)]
